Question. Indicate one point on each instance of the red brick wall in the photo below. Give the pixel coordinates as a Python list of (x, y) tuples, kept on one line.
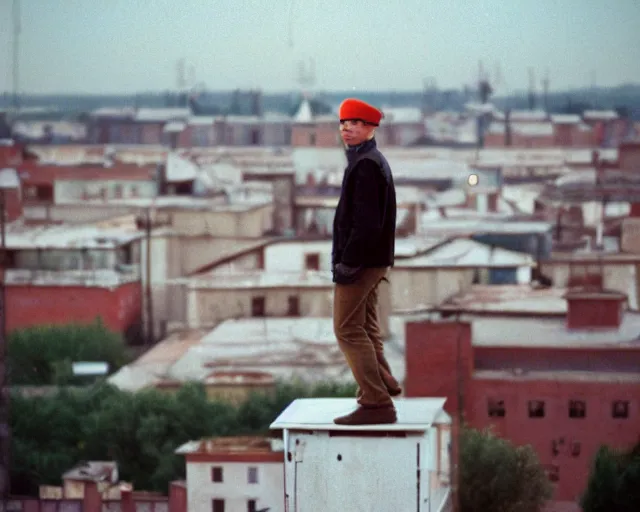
[(431, 357), (596, 428), (326, 135), (177, 497), (431, 370), (629, 156), (37, 305)]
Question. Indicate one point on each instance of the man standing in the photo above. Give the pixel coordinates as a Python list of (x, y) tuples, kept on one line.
[(363, 250)]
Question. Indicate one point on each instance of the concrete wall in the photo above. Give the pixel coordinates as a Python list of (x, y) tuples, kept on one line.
[(207, 307), (76, 190), (224, 223), (418, 287), (234, 489)]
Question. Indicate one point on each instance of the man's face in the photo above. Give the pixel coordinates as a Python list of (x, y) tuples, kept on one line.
[(354, 131)]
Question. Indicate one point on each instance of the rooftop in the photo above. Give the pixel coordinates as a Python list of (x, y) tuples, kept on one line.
[(19, 236), (414, 414), (559, 375), (467, 253), (303, 348), (152, 366), (236, 444), (529, 332), (509, 299)]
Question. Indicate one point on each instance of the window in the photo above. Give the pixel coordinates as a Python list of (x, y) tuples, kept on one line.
[(312, 139), (575, 448), (536, 409), (216, 474), (620, 409), (257, 306), (294, 306), (496, 408), (553, 472), (312, 261), (251, 506), (577, 409), (252, 475), (217, 505)]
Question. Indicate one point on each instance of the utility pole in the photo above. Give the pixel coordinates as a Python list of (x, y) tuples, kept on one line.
[(5, 431), (16, 53), (148, 295)]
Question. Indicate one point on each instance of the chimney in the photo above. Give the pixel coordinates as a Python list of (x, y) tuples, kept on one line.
[(595, 310), (435, 351)]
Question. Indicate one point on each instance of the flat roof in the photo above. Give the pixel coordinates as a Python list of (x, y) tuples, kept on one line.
[(414, 414), (559, 375), (510, 299), (67, 236), (529, 332), (304, 348)]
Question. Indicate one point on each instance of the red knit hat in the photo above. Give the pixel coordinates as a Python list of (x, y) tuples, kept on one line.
[(352, 108)]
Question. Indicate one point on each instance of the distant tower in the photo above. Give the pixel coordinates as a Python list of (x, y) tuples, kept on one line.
[(532, 89), (545, 89)]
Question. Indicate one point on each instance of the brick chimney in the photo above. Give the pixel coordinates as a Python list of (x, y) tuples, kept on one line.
[(435, 351), (595, 310)]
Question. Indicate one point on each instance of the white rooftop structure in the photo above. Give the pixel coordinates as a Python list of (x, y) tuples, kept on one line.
[(414, 414), (468, 253), (366, 468)]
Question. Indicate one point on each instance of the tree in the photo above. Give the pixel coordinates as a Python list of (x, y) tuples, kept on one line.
[(140, 431), (614, 481), (43, 355), (498, 476)]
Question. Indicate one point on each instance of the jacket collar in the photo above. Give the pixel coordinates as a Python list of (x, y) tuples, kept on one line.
[(363, 147)]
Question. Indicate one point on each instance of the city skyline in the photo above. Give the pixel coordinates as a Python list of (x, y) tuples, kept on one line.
[(126, 47)]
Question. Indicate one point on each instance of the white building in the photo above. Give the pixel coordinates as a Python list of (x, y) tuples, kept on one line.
[(234, 474)]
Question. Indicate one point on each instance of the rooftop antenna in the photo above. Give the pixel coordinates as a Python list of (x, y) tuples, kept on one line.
[(181, 80), (532, 89), (545, 88), (16, 53)]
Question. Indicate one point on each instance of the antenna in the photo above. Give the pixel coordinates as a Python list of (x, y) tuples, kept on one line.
[(532, 89), (16, 52), (545, 88), (180, 78)]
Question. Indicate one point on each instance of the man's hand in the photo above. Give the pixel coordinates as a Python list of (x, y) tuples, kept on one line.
[(344, 274)]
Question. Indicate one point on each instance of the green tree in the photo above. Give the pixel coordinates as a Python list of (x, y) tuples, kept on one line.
[(43, 355), (614, 481), (141, 431), (498, 476)]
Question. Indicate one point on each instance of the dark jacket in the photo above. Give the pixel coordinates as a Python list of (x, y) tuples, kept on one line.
[(365, 219)]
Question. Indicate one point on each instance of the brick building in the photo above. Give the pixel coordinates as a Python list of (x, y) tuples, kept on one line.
[(564, 383)]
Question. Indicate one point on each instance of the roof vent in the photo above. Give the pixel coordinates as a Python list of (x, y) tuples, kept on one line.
[(595, 309)]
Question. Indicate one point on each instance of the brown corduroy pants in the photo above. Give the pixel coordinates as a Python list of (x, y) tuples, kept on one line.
[(356, 326)]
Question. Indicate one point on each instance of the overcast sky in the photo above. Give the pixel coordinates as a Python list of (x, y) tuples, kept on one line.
[(99, 46)]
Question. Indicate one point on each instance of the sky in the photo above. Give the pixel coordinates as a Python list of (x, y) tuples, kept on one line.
[(128, 46)]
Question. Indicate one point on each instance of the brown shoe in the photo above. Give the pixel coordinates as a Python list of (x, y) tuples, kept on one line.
[(369, 416)]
